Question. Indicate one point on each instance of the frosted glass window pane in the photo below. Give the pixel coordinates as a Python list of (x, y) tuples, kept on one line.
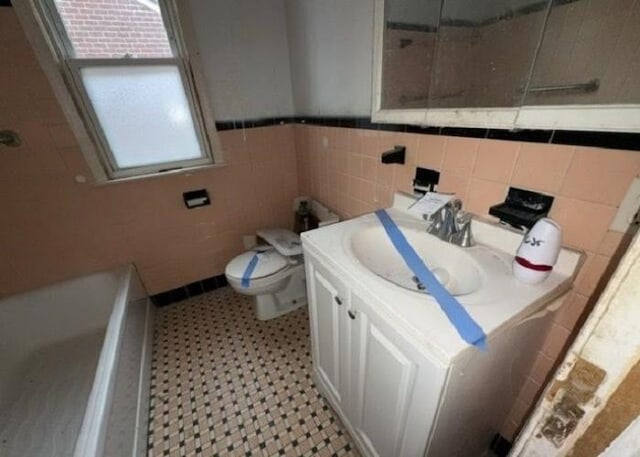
[(143, 112), (113, 29)]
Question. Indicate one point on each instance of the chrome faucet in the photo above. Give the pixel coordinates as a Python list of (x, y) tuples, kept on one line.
[(453, 225)]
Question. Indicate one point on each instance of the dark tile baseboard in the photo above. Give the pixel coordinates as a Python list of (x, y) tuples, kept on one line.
[(611, 140), (189, 290), (500, 446)]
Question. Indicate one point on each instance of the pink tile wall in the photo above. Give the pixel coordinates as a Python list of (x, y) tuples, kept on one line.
[(341, 167), (55, 228)]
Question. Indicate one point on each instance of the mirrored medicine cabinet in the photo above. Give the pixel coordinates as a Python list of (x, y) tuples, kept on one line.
[(551, 64)]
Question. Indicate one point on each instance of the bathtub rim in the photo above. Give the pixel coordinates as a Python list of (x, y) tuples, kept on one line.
[(91, 439)]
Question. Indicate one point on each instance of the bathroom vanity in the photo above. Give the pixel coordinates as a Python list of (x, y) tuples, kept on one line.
[(386, 357)]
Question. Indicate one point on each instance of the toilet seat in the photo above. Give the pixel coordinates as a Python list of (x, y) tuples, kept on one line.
[(269, 263)]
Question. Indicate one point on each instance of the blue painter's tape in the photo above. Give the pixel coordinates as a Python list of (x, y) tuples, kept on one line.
[(246, 276), (464, 324)]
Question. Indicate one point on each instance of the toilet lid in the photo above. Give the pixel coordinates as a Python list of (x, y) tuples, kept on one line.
[(269, 262), (284, 241)]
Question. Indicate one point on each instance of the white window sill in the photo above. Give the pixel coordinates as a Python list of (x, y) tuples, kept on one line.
[(186, 171)]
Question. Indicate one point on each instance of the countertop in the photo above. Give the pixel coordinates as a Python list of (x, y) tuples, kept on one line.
[(501, 302)]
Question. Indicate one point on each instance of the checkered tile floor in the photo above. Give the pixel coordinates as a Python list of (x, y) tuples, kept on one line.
[(224, 383)]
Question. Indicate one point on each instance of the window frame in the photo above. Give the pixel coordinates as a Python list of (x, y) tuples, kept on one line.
[(70, 68)]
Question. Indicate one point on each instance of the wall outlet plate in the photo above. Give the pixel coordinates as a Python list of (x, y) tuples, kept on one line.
[(628, 208)]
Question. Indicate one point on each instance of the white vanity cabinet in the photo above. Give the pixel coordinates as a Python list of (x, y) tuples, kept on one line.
[(329, 301), (395, 389), (389, 361), (385, 391)]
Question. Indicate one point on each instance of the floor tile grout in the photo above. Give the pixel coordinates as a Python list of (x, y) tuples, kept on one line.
[(225, 383)]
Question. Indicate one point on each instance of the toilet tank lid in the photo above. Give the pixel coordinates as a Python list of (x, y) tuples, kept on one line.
[(284, 241), (269, 262)]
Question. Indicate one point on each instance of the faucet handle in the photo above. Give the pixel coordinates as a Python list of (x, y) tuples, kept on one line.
[(455, 204), (462, 217), (437, 222), (463, 236)]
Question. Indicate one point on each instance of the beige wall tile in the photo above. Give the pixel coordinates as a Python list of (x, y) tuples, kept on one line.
[(366, 142), (600, 175), (555, 341), (591, 273), (431, 152), (385, 174), (340, 139), (387, 141), (509, 429), (342, 183), (541, 368), (234, 146), (460, 155), (584, 224), (384, 196), (355, 165), (403, 178), (518, 412), (454, 184), (542, 167), (571, 310), (529, 391), (362, 190), (610, 243), (482, 194), (496, 160), (369, 168), (412, 142)]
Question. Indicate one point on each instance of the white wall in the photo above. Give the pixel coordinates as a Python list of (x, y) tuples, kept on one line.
[(269, 58), (244, 56), (331, 52)]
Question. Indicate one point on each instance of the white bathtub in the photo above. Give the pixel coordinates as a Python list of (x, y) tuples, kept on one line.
[(74, 368)]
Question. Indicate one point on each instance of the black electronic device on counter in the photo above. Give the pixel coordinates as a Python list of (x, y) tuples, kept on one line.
[(522, 208)]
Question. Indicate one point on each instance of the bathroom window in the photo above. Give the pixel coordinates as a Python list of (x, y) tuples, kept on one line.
[(125, 66)]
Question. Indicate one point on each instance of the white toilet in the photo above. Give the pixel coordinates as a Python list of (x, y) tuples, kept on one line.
[(273, 273)]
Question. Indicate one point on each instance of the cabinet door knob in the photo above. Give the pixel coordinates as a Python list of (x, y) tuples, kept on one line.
[(338, 300), (351, 314)]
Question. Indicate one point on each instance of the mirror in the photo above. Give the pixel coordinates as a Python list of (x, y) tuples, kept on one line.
[(588, 55), (458, 53), (409, 41), (484, 52), (543, 64)]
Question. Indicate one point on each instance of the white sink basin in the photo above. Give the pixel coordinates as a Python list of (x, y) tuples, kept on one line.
[(455, 267)]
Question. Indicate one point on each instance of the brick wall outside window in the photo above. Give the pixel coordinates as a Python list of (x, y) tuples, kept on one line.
[(113, 28)]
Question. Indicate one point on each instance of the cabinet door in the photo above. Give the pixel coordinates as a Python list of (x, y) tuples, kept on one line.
[(395, 388), (328, 301)]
